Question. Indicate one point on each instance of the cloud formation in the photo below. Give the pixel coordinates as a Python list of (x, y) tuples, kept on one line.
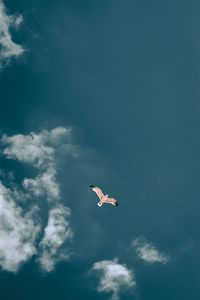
[(114, 277), (57, 232), (148, 252), (43, 185), (8, 48), (38, 150), (18, 232)]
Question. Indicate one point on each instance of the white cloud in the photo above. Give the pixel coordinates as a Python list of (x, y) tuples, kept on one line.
[(44, 185), (8, 47), (36, 149), (17, 21), (147, 252), (57, 232), (113, 277), (18, 232), (40, 151)]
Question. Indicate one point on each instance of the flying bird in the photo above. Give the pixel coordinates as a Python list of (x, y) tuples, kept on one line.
[(103, 198)]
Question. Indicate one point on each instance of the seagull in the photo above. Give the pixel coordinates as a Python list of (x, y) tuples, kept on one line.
[(103, 198)]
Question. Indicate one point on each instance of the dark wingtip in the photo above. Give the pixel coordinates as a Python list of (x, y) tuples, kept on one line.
[(92, 186), (116, 204)]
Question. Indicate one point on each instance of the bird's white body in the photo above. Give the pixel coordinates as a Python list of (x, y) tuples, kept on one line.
[(103, 198)]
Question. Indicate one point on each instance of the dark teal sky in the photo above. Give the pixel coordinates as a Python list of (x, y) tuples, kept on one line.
[(126, 75)]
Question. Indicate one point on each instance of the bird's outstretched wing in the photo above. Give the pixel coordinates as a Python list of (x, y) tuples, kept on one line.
[(112, 201), (98, 191)]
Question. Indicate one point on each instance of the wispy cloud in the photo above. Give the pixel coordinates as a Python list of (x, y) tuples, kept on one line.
[(40, 150), (8, 47), (44, 185), (148, 252), (57, 232), (18, 232), (114, 277), (36, 149)]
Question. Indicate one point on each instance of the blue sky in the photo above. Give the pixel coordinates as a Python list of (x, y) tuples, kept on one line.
[(104, 93)]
